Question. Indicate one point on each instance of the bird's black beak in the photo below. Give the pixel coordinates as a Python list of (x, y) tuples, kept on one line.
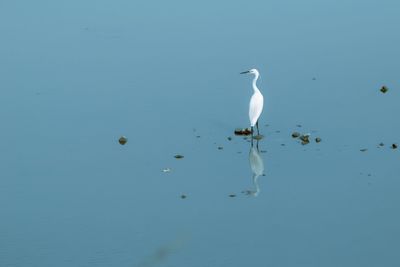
[(244, 72)]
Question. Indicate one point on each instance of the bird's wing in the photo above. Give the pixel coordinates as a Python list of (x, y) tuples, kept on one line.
[(255, 108)]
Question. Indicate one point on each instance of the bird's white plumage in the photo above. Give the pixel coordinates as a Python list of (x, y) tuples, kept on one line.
[(255, 107)]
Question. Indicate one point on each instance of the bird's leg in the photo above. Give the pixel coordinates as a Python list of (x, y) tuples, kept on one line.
[(258, 131)]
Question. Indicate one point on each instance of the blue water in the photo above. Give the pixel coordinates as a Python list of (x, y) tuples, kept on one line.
[(76, 76)]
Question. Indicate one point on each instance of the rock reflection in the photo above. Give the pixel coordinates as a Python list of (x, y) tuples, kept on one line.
[(257, 167), (160, 255)]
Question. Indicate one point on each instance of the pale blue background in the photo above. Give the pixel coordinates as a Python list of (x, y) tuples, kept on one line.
[(76, 75)]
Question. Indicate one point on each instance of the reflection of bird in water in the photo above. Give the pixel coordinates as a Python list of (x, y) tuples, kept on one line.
[(257, 167)]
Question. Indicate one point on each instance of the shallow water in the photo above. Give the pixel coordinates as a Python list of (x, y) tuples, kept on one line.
[(76, 76)]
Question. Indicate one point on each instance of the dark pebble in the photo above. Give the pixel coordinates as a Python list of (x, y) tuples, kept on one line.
[(122, 140), (318, 140), (363, 149), (183, 196), (394, 146), (179, 156), (295, 134), (384, 89)]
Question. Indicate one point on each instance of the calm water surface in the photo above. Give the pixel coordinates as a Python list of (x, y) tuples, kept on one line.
[(76, 76)]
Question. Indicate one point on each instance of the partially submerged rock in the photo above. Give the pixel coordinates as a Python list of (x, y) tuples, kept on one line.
[(305, 139), (363, 149), (384, 89), (296, 134), (394, 146), (318, 139), (179, 156), (122, 140), (244, 131)]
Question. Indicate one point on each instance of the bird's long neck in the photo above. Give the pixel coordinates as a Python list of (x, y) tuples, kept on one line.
[(255, 83)]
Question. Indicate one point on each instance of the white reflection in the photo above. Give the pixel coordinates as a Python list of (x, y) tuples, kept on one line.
[(257, 167)]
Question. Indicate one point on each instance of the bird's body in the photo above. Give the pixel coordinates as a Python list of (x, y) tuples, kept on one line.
[(255, 107), (256, 101)]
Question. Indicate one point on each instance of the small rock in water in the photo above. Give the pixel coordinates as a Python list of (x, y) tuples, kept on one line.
[(318, 139), (305, 138), (230, 138), (232, 195), (166, 170), (244, 131), (384, 89), (295, 134), (394, 146), (179, 156), (363, 149), (381, 144), (183, 196), (122, 140), (220, 148)]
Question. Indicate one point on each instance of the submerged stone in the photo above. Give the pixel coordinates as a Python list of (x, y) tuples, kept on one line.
[(122, 140), (232, 195), (394, 146), (305, 138), (295, 134), (384, 89), (258, 137), (363, 149), (318, 139), (179, 156), (183, 196)]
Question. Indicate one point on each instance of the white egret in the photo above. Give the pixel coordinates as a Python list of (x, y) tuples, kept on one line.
[(256, 101)]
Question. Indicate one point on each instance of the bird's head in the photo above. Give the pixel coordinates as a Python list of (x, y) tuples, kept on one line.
[(252, 71)]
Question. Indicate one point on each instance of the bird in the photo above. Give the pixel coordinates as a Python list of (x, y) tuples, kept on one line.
[(256, 101)]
